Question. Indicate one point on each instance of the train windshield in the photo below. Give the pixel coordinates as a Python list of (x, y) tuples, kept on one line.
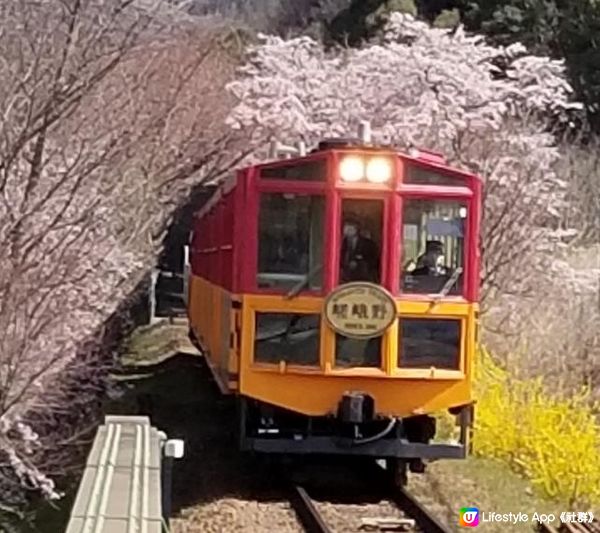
[(416, 175), (360, 260), (290, 241), (433, 246), (362, 239)]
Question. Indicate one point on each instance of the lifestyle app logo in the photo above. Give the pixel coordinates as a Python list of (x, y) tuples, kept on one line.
[(469, 517)]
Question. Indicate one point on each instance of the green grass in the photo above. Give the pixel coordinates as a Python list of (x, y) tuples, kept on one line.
[(483, 483), (153, 344)]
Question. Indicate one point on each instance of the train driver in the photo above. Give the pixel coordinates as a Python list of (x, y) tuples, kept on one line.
[(431, 263)]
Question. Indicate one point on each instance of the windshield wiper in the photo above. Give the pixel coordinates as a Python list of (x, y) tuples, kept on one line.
[(295, 290), (286, 333), (448, 285)]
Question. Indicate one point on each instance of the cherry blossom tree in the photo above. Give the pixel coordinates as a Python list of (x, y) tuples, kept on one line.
[(489, 109), (111, 111)]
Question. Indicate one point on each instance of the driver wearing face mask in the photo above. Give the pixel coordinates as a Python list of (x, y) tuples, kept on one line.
[(431, 263), (360, 255)]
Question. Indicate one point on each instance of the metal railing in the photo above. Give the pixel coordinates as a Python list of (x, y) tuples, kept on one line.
[(126, 485)]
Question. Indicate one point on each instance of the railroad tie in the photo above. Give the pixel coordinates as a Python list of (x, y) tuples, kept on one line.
[(386, 524)]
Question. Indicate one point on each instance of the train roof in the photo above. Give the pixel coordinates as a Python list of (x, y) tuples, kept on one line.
[(297, 155), (420, 156)]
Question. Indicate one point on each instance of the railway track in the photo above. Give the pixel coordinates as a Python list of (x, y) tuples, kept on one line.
[(307, 512), (415, 516)]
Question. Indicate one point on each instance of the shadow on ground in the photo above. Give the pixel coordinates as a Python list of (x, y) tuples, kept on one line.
[(182, 400)]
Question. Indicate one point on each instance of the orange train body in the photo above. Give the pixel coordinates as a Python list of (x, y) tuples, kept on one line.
[(227, 337)]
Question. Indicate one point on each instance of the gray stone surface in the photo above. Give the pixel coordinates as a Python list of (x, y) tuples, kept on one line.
[(120, 489)]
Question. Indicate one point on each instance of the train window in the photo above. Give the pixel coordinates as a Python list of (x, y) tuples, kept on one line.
[(289, 337), (433, 233), (357, 352), (308, 171), (430, 342), (290, 241), (417, 175), (360, 254)]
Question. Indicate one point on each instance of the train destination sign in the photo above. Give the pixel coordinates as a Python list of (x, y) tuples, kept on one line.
[(360, 310)]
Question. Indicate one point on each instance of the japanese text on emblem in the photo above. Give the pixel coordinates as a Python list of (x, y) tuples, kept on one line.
[(360, 310)]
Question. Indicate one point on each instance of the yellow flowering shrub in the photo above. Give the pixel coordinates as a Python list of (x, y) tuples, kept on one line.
[(554, 441)]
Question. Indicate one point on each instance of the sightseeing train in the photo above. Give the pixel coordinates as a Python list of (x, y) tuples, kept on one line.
[(335, 294)]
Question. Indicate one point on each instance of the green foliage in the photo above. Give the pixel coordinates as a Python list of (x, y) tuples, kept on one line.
[(235, 39), (449, 18), (377, 19), (402, 6), (532, 22), (362, 19)]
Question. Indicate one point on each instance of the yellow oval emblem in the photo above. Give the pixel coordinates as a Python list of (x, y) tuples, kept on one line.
[(360, 310)]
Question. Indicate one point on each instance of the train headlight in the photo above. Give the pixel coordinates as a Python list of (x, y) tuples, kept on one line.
[(352, 168), (379, 170)]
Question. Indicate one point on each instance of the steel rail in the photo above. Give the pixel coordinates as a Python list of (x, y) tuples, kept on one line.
[(307, 513), (407, 503), (415, 510)]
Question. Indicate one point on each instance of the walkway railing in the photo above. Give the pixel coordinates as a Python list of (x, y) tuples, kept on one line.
[(126, 485)]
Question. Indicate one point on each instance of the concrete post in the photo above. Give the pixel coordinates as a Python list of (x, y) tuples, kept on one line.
[(152, 295), (172, 449)]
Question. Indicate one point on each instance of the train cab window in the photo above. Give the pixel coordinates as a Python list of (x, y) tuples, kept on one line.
[(433, 233), (290, 337), (290, 241), (430, 342), (416, 175), (308, 171), (360, 254), (365, 353)]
